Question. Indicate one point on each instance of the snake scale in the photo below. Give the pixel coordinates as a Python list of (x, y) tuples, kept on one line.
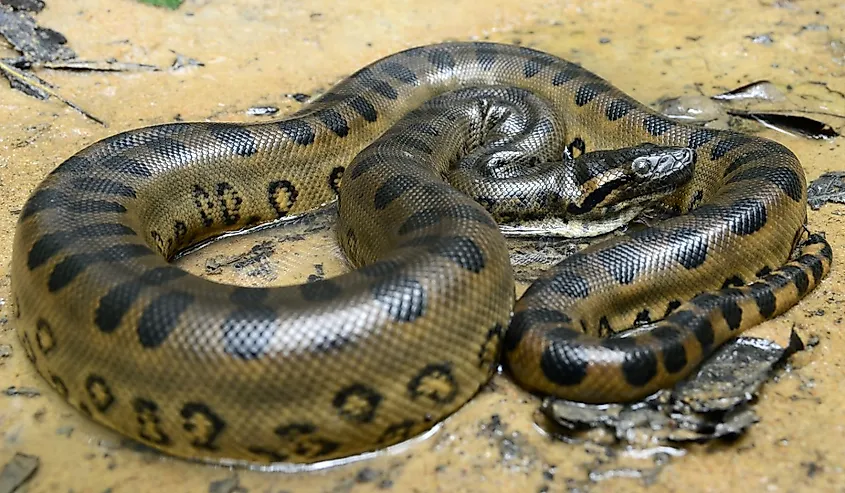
[(357, 362)]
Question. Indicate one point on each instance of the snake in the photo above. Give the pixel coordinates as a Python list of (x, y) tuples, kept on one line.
[(370, 358)]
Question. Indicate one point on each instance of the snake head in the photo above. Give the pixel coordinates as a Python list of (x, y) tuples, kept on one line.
[(635, 176), (664, 166)]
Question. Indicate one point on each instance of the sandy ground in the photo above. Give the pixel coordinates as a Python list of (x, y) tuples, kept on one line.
[(258, 53)]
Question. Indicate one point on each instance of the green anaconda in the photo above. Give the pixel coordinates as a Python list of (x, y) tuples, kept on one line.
[(360, 361)]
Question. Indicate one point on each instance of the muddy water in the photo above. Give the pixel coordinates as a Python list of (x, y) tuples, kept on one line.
[(260, 53)]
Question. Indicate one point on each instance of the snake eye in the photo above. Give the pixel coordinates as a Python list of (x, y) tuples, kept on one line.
[(641, 165)]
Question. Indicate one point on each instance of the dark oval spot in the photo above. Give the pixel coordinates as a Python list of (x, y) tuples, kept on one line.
[(161, 317), (404, 298), (672, 349), (323, 290)]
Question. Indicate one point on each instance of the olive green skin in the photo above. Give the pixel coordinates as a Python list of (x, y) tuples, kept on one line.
[(358, 362)]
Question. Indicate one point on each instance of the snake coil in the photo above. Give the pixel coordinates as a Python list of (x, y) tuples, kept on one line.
[(367, 359)]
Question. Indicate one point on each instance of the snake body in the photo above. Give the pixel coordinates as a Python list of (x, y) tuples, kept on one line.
[(340, 366)]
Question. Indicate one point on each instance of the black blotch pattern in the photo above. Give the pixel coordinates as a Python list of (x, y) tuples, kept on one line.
[(764, 297), (488, 354), (52, 243), (605, 330), (563, 362), (746, 158), (435, 382), (700, 137), (734, 280), (485, 54), (74, 164), (270, 455), (656, 124), (732, 313), (643, 317), (461, 250), (526, 319), (334, 121), (161, 317), (766, 270), (414, 143), (404, 298), (689, 248), (696, 199), (304, 440), (204, 204), (112, 307), (235, 137), (745, 216), (700, 326), (400, 73), (357, 403), (161, 275), (282, 190), (640, 363), (728, 144), (588, 92), (180, 232), (363, 164), (441, 59), (298, 131), (397, 432), (60, 386), (336, 97), (429, 217), (393, 188), (671, 347), (323, 290), (750, 215), (569, 284), (564, 76), (230, 203), (380, 87), (90, 206), (730, 310), (562, 334), (364, 108), (813, 263), (595, 197), (247, 331), (44, 336), (68, 269), (617, 109), (149, 422), (124, 164), (335, 177), (424, 127), (577, 144), (799, 277), (826, 251), (203, 424), (99, 392), (244, 296), (103, 185), (160, 241), (534, 65), (168, 148), (43, 199), (784, 178)]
